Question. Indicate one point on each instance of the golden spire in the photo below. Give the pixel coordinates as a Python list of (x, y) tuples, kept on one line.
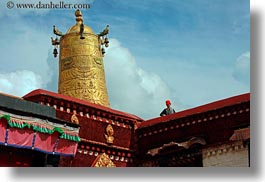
[(81, 68)]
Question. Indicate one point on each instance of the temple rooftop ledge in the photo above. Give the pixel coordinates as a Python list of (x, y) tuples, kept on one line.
[(41, 92), (197, 110)]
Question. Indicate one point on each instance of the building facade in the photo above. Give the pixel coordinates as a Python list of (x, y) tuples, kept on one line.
[(215, 134), (77, 128)]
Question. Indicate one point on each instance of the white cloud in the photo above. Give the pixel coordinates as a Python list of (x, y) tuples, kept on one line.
[(242, 68), (26, 48), (24, 51), (130, 88), (23, 54), (20, 83), (196, 84), (25, 44)]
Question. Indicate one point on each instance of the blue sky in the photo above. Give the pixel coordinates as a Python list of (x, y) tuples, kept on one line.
[(192, 52)]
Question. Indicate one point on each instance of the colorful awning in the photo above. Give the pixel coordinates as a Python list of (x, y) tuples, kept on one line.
[(38, 134)]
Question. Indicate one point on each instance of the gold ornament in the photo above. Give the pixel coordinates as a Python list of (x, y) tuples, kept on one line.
[(103, 160), (109, 134), (74, 119), (81, 68)]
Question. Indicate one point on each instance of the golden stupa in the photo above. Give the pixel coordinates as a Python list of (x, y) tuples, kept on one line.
[(81, 68)]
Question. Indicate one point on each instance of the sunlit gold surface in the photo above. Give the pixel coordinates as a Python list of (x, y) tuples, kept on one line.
[(104, 161), (109, 134), (81, 69), (74, 119), (76, 27)]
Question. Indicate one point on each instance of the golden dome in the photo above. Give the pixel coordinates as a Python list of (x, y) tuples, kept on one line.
[(79, 21)]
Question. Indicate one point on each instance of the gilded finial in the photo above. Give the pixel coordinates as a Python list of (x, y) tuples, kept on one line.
[(81, 71), (79, 16)]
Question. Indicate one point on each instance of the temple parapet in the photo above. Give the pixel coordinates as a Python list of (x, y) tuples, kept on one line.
[(102, 129)]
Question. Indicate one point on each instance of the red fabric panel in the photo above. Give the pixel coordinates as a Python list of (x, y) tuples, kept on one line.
[(3, 124), (46, 142), (66, 147), (21, 137)]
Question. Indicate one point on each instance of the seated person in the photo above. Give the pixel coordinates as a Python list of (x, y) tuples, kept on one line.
[(168, 110)]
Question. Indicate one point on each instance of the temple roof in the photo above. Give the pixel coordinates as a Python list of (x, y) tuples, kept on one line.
[(33, 126), (23, 107), (39, 92), (201, 109)]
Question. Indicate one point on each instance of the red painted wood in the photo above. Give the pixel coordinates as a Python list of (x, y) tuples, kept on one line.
[(204, 108)]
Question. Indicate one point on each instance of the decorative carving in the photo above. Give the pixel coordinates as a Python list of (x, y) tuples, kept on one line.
[(103, 160), (190, 142), (109, 136), (240, 135), (74, 119), (185, 144)]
